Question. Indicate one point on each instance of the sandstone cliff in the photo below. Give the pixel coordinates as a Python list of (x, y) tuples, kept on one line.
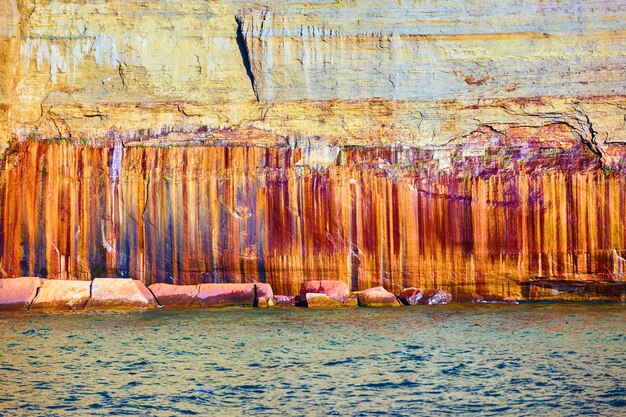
[(380, 143), (350, 72)]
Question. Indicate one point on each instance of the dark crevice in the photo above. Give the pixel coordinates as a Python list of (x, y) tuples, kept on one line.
[(120, 71), (588, 138), (245, 53), (591, 142), (256, 297), (154, 295), (35, 297), (90, 294)]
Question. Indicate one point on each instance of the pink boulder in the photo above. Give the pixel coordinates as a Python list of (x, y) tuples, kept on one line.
[(436, 297), (169, 295), (264, 290), (18, 293), (285, 300), (411, 296), (336, 290), (223, 295), (62, 294), (119, 293), (377, 297)]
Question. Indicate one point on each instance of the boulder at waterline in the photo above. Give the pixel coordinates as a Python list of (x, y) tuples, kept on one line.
[(62, 294), (436, 297), (411, 296), (336, 290), (169, 295), (119, 293), (18, 293), (224, 295), (318, 300), (264, 290), (285, 300), (468, 297), (377, 297)]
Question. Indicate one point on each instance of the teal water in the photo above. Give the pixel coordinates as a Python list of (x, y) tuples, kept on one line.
[(529, 360)]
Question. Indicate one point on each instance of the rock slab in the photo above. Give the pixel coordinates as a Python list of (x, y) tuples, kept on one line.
[(318, 300), (119, 293), (18, 293), (336, 290), (285, 300), (264, 290), (62, 294), (225, 295), (411, 296), (436, 297), (169, 295), (377, 297)]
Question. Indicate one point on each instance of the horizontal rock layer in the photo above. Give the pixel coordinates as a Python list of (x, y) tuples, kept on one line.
[(33, 293), (36, 294), (349, 73)]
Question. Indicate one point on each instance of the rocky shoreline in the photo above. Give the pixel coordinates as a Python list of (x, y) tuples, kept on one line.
[(38, 294)]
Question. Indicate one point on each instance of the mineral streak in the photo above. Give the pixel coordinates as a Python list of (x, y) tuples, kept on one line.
[(57, 294), (511, 206)]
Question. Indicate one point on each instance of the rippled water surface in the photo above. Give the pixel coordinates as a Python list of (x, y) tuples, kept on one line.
[(491, 360)]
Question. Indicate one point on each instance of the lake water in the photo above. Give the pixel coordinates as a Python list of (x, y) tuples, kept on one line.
[(540, 359)]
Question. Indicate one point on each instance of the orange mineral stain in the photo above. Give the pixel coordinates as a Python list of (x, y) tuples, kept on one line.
[(391, 217)]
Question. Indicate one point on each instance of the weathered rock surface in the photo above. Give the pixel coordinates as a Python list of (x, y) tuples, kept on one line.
[(436, 297), (265, 302), (319, 300), (377, 297), (498, 299), (370, 214), (119, 293), (264, 290), (351, 301), (465, 297), (169, 295), (359, 73), (62, 294), (225, 295), (411, 296), (335, 290), (285, 300), (574, 290), (18, 293)]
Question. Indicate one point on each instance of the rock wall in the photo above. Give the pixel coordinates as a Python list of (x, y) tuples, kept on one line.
[(413, 143), (506, 209)]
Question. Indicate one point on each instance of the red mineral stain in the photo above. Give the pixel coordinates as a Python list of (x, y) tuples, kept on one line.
[(518, 204)]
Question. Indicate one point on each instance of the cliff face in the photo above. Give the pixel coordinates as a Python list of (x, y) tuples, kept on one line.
[(350, 72), (366, 216), (440, 143)]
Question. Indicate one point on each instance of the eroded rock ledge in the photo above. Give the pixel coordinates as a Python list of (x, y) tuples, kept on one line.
[(36, 294)]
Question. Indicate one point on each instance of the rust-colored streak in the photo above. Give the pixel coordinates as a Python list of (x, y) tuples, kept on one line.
[(377, 216)]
